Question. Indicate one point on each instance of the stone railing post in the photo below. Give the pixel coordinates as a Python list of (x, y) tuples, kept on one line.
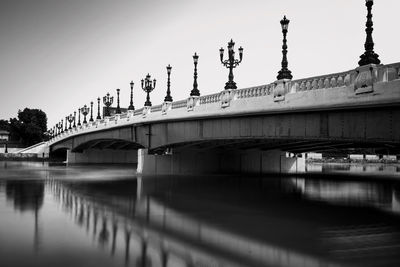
[(366, 76), (227, 96), (166, 106), (281, 87), (191, 102)]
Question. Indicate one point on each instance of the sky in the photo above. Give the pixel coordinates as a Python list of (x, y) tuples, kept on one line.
[(57, 55)]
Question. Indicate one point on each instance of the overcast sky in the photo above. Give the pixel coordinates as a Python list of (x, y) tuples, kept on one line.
[(57, 55)]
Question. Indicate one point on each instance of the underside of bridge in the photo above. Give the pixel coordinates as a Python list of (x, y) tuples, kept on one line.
[(112, 144), (289, 145), (106, 150)]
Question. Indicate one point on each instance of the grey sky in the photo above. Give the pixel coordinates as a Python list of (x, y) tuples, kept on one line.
[(58, 55)]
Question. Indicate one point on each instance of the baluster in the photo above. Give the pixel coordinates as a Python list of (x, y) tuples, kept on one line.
[(340, 81), (308, 85), (326, 83), (320, 83), (314, 84), (347, 79), (333, 82)]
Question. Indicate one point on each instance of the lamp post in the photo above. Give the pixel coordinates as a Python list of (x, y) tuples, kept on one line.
[(195, 91), (118, 111), (91, 111), (148, 86), (60, 127), (70, 119), (98, 109), (168, 97), (107, 101), (131, 107), (66, 123), (231, 63), (85, 111), (74, 119), (284, 73), (79, 117), (369, 56)]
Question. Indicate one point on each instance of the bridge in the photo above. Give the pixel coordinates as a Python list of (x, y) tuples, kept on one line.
[(260, 129)]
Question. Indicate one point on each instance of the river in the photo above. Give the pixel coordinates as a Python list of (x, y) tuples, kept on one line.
[(337, 215)]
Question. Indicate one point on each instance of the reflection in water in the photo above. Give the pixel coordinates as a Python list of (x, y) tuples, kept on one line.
[(355, 168), (217, 221), (345, 192), (27, 196)]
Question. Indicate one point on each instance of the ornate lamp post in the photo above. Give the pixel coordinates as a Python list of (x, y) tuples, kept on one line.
[(107, 101), (195, 91), (231, 63), (98, 109), (168, 97), (66, 124), (369, 56), (91, 111), (60, 127), (284, 73), (85, 111), (79, 117), (118, 111), (70, 119), (74, 119), (148, 86), (131, 107)]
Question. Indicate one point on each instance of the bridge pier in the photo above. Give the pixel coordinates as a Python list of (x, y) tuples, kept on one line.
[(102, 156), (188, 161)]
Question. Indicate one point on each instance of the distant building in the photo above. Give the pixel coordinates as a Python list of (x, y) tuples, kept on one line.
[(4, 135)]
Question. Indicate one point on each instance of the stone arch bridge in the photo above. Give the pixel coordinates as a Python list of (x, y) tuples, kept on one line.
[(259, 129)]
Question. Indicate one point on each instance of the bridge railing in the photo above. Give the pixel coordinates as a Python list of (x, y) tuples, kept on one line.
[(360, 78), (207, 99), (257, 91), (179, 104)]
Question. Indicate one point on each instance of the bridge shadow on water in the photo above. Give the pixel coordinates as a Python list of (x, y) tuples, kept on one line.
[(209, 220)]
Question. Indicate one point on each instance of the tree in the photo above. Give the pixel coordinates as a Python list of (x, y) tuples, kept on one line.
[(35, 117), (29, 128)]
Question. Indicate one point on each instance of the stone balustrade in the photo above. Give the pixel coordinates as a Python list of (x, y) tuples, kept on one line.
[(207, 99), (353, 79)]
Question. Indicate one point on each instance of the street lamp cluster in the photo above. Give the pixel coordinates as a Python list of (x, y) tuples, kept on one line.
[(148, 85)]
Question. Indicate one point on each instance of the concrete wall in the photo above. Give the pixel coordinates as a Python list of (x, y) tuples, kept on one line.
[(188, 161), (103, 156)]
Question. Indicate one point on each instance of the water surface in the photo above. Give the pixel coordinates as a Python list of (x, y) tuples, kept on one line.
[(108, 216)]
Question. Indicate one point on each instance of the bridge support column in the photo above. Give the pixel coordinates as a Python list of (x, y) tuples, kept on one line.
[(102, 156), (188, 161)]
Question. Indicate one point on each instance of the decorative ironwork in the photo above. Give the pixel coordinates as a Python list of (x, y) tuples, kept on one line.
[(79, 117), (85, 111), (91, 111), (70, 119), (66, 123), (168, 97), (74, 120), (131, 107), (231, 63), (369, 56), (195, 91), (148, 86), (107, 101), (284, 73), (118, 110), (98, 109)]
